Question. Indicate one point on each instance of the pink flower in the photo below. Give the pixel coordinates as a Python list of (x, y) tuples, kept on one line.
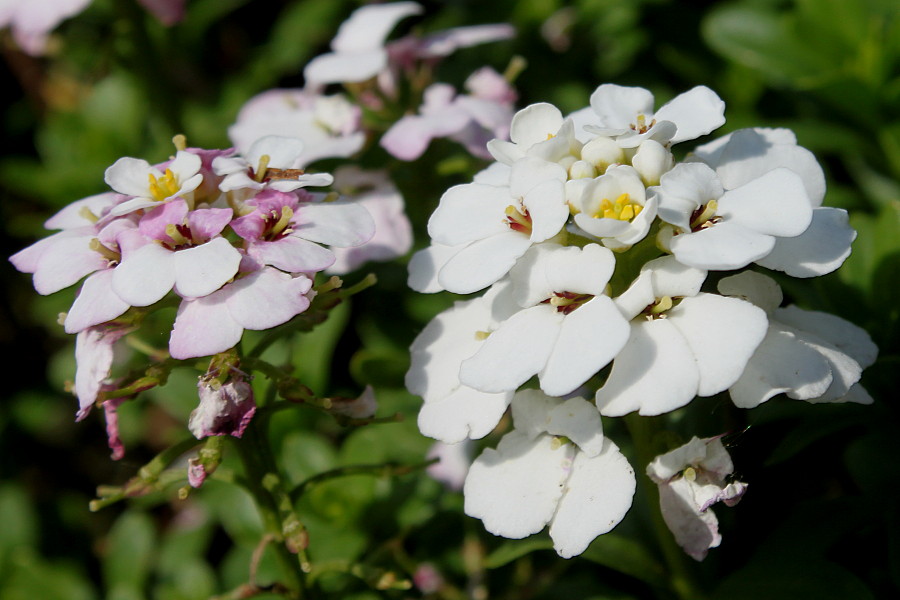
[(175, 248), (472, 120), (260, 300), (32, 21), (284, 230)]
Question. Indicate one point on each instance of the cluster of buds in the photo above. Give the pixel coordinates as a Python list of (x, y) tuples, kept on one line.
[(596, 247)]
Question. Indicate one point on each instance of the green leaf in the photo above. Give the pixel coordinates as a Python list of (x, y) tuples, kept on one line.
[(790, 579), (130, 554), (626, 556), (515, 549)]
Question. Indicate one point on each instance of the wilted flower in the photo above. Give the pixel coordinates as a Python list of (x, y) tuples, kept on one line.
[(691, 479)]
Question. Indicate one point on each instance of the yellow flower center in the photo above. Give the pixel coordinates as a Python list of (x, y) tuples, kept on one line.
[(163, 187), (623, 209)]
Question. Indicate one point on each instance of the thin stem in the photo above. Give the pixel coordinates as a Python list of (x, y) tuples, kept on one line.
[(644, 433), (251, 448), (382, 470)]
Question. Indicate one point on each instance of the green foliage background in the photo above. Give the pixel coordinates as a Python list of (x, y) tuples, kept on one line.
[(821, 517)]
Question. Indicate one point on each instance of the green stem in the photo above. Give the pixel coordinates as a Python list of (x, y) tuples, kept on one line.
[(645, 435), (382, 470), (254, 452)]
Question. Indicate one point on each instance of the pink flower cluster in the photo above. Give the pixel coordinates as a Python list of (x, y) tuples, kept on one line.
[(234, 239)]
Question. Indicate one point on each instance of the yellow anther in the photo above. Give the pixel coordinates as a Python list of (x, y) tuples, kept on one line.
[(180, 142), (690, 474), (516, 217), (172, 232), (623, 209), (482, 335), (163, 187), (550, 136), (261, 167)]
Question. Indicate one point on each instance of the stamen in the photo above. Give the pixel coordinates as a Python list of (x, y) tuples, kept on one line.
[(282, 225), (108, 254), (482, 335), (173, 231), (163, 187), (180, 141), (261, 168), (704, 215), (622, 210), (661, 305), (690, 474), (85, 213), (517, 220)]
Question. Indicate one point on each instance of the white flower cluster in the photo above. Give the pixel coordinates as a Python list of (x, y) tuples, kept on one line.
[(595, 245)]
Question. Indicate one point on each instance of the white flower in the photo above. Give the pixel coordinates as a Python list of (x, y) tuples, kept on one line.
[(149, 186), (452, 411), (718, 228), (748, 154), (490, 227), (683, 343), (554, 468), (691, 479), (272, 162), (614, 209), (626, 113), (358, 48), (328, 126), (567, 330), (806, 355), (539, 131)]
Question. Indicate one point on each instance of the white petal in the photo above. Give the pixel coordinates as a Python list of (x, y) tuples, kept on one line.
[(546, 204), (203, 269), (589, 337), (724, 246), (842, 334), (696, 532), (482, 263), (129, 176), (145, 275), (465, 413), (534, 123), (531, 411), (369, 26), (597, 497), (515, 489), (339, 223), (671, 278), (722, 333), (820, 249), (514, 352), (96, 303), (696, 112), (424, 266), (549, 268), (753, 287), (578, 420), (782, 363), (469, 212), (654, 373), (617, 106), (775, 204), (282, 151), (345, 67)]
